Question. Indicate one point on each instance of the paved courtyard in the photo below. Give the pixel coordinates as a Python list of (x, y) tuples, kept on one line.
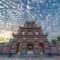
[(54, 58)]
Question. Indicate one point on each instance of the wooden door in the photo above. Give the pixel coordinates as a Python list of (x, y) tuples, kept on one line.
[(17, 47), (41, 48), (30, 48)]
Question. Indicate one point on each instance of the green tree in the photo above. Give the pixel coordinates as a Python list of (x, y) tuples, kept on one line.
[(54, 41), (2, 43), (58, 39)]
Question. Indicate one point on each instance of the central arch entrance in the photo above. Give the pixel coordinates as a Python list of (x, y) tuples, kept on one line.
[(41, 48), (29, 48)]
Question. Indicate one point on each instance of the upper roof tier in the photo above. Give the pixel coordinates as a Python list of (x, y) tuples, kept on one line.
[(30, 24)]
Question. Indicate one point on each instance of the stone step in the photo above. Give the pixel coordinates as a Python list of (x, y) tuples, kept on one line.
[(31, 56)]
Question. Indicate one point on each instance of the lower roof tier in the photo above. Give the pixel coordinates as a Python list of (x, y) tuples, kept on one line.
[(30, 36)]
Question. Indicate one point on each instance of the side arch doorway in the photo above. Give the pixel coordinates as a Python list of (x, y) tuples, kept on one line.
[(41, 48), (18, 48)]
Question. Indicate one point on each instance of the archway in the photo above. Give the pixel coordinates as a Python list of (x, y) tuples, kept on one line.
[(41, 48), (18, 47), (29, 48)]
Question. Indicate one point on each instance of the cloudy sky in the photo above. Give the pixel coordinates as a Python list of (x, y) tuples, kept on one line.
[(46, 13)]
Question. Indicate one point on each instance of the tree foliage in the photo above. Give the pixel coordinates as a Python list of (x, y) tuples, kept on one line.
[(56, 41)]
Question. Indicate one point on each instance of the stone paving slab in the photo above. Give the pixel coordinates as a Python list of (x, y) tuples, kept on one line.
[(54, 58)]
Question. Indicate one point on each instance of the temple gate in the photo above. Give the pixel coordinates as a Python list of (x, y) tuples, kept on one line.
[(30, 39)]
